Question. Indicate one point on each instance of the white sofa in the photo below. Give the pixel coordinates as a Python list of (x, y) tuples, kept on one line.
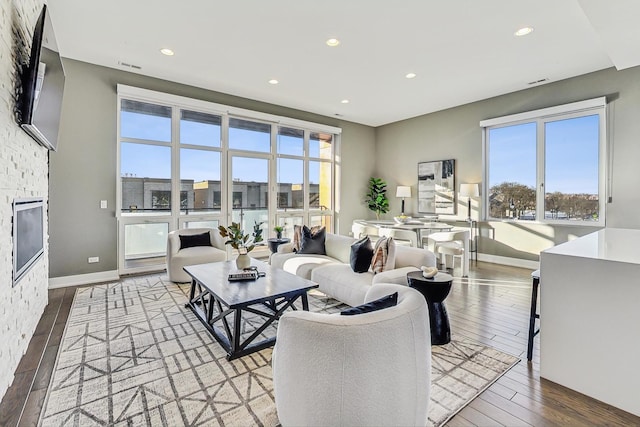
[(178, 258), (370, 369), (333, 272)]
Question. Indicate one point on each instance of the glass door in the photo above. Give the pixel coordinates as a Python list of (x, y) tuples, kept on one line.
[(249, 195)]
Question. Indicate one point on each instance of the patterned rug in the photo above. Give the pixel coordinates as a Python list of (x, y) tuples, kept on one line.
[(132, 354)]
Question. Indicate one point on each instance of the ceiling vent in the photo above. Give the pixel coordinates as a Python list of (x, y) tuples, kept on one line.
[(537, 82), (124, 64)]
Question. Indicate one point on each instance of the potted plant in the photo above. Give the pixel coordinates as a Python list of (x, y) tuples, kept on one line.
[(377, 197), (243, 243), (278, 229)]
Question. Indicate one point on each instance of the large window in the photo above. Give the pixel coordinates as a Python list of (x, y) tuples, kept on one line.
[(547, 165), (189, 163)]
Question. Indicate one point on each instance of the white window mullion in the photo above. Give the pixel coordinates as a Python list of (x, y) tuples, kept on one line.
[(175, 168), (540, 178)]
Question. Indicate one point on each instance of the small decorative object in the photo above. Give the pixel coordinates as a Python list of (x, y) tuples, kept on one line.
[(278, 229), (402, 219), (377, 197), (241, 242), (429, 272)]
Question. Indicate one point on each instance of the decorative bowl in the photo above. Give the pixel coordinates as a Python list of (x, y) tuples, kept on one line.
[(402, 219)]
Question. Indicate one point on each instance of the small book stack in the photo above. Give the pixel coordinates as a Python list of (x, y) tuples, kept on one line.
[(243, 275)]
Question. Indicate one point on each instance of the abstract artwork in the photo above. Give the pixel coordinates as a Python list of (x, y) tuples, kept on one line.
[(436, 187)]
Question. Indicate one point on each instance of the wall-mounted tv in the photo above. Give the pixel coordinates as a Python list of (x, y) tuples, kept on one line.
[(43, 85), (28, 235)]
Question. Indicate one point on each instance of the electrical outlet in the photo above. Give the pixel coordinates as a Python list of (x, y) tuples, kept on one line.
[(93, 259), (103, 204)]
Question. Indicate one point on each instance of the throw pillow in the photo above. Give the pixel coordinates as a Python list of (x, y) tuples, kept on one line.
[(297, 235), (361, 255), (191, 240), (384, 255), (312, 243), (379, 304)]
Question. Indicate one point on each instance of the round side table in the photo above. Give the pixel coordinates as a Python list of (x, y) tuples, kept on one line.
[(435, 290), (274, 243)]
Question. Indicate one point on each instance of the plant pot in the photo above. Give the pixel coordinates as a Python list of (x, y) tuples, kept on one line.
[(243, 261), (279, 235)]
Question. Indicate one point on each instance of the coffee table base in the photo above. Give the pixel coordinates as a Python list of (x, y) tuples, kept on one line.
[(209, 310)]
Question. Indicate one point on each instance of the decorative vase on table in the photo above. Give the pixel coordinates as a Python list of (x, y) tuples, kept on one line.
[(243, 261), (279, 235)]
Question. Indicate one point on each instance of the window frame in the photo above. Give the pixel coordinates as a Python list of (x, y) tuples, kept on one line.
[(175, 218), (591, 107)]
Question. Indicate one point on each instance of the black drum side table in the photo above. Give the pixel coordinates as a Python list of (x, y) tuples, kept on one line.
[(274, 243), (435, 290)]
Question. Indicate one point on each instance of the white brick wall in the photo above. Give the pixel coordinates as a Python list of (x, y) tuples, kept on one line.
[(24, 168)]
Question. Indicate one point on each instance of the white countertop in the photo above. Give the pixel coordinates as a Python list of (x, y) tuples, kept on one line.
[(610, 244)]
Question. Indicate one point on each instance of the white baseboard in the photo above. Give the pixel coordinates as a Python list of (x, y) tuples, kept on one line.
[(513, 262), (83, 279)]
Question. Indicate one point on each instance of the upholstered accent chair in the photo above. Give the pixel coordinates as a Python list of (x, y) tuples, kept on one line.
[(365, 369), (178, 256)]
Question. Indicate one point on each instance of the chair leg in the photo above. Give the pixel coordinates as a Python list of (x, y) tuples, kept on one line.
[(532, 317)]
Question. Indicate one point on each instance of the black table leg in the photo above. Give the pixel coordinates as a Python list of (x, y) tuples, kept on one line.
[(439, 320)]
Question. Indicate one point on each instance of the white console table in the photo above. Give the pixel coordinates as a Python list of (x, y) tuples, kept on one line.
[(590, 316)]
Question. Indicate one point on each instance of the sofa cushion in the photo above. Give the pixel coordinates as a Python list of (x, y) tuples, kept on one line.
[(361, 255), (339, 281), (379, 304), (300, 264), (312, 243), (192, 240), (384, 255)]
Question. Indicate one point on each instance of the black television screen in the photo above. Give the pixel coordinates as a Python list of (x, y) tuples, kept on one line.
[(28, 235), (43, 85)]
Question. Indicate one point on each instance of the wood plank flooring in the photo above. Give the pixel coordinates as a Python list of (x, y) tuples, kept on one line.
[(491, 306)]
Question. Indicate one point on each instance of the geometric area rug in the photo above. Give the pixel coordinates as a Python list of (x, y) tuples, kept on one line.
[(132, 354)]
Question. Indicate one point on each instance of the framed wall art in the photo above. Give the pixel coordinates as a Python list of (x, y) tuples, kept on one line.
[(436, 187)]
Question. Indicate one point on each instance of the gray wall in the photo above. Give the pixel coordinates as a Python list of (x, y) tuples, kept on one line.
[(83, 170), (455, 134)]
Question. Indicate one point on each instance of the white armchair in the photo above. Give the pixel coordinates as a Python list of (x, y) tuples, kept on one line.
[(367, 369), (177, 258)]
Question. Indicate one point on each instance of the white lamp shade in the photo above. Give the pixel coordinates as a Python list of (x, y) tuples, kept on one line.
[(469, 190), (403, 191)]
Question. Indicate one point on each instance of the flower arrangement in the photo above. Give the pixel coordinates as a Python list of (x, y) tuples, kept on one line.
[(243, 243)]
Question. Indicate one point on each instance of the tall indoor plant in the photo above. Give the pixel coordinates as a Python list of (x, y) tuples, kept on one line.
[(243, 243), (377, 196)]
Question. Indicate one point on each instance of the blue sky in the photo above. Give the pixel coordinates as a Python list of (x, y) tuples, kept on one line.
[(201, 165), (571, 155)]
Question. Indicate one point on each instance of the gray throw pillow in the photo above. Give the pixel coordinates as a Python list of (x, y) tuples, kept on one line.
[(312, 243)]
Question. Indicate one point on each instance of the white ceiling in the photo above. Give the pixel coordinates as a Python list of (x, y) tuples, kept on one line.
[(461, 50)]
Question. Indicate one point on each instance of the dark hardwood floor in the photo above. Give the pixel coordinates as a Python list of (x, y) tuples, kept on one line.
[(491, 306)]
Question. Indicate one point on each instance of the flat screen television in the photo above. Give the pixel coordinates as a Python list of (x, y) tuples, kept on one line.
[(28, 235), (43, 86)]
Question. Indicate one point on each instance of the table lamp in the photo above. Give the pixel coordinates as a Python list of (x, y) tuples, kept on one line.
[(403, 191), (469, 190)]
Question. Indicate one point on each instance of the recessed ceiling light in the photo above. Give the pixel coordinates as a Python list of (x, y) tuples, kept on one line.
[(345, 101), (333, 42), (523, 31), (411, 75), (273, 82), (167, 51)]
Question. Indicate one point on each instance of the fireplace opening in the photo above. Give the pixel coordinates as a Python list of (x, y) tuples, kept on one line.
[(28, 235)]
